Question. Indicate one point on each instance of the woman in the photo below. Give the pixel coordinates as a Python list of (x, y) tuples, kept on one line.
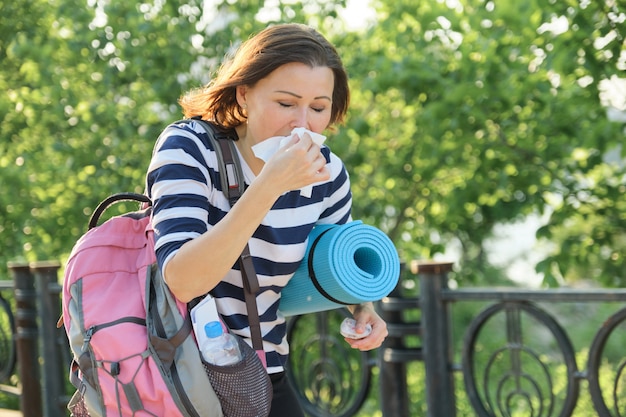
[(287, 76)]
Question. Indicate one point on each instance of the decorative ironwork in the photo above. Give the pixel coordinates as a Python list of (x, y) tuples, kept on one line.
[(329, 377), (516, 359), (616, 387), (518, 378)]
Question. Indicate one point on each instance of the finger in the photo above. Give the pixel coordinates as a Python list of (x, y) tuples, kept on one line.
[(294, 140), (368, 343), (306, 136), (305, 139), (362, 321), (319, 161), (360, 326)]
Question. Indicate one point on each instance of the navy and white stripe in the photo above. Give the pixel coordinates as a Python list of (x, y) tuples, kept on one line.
[(183, 183)]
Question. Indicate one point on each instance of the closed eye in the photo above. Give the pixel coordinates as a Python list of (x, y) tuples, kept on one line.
[(315, 109)]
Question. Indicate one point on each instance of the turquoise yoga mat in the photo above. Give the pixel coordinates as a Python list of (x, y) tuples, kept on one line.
[(343, 264)]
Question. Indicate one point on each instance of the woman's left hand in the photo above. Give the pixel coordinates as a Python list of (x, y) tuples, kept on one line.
[(365, 314)]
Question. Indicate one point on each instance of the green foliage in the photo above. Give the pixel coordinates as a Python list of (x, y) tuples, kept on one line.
[(89, 88), (464, 115)]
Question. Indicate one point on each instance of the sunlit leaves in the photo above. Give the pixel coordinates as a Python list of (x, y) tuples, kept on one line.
[(464, 114), (498, 122)]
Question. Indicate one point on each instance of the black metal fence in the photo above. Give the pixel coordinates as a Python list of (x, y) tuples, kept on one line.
[(515, 358), (514, 350), (36, 345)]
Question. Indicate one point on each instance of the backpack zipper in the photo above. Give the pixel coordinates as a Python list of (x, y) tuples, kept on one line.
[(91, 330)]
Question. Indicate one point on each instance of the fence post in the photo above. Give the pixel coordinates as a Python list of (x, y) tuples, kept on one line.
[(46, 277), (394, 396), (437, 347), (26, 338)]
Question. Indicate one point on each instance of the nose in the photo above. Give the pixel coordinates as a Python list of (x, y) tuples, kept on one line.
[(300, 118)]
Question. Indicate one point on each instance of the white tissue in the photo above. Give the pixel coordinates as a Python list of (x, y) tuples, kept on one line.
[(266, 149)]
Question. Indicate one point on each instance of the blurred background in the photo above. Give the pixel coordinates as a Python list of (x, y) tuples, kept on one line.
[(488, 133)]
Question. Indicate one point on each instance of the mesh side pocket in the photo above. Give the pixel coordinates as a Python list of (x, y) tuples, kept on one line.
[(244, 388)]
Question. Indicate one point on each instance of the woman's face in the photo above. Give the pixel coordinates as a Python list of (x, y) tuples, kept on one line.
[(293, 95)]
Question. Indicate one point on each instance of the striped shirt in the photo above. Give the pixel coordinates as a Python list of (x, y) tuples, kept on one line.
[(183, 182)]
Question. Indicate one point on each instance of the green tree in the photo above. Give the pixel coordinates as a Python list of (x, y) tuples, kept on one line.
[(468, 114), (464, 115), (89, 86)]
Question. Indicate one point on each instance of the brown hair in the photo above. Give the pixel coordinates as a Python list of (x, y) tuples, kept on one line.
[(254, 60)]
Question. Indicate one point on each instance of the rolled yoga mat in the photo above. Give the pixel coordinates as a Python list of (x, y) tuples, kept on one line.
[(343, 264)]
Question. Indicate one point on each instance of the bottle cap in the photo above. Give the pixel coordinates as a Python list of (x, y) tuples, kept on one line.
[(213, 329)]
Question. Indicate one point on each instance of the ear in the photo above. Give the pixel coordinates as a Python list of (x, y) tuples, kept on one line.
[(242, 92)]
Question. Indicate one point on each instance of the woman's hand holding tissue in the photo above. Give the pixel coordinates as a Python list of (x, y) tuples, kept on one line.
[(296, 163)]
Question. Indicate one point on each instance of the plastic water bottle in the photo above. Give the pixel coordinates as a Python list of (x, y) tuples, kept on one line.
[(219, 348)]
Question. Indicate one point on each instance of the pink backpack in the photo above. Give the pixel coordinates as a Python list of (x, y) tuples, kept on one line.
[(134, 350)]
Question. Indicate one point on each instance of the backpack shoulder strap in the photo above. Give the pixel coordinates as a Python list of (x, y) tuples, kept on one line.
[(231, 173), (233, 187)]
